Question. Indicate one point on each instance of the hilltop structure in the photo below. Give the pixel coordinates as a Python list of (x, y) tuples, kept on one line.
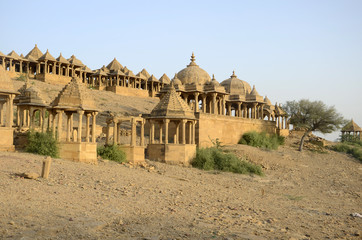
[(351, 131), (113, 77)]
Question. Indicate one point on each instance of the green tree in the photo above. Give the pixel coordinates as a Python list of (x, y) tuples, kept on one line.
[(312, 116)]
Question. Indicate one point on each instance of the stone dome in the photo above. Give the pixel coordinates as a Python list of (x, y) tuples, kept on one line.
[(193, 74), (176, 81), (214, 82), (235, 86)]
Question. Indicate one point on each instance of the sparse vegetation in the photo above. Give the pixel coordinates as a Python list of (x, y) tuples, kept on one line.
[(352, 148), (111, 152), (312, 116), (215, 159), (42, 143), (262, 140), (21, 77)]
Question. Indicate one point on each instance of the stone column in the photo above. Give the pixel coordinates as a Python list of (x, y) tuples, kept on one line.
[(53, 114), (239, 109), (54, 71), (223, 105), (11, 65), (142, 143), (190, 133), (87, 127), (161, 126), (261, 116), (21, 66), (115, 131), (42, 119), (71, 127), (59, 132), (245, 109), (166, 122), (68, 126), (214, 106), (17, 117), (197, 102), (107, 133), (80, 124), (176, 139), (3, 62), (133, 132), (193, 132), (229, 109), (45, 67), (204, 103), (27, 68), (10, 117), (152, 132), (94, 114), (67, 71), (183, 136)]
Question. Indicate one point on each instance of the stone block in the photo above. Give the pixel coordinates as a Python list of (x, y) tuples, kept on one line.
[(79, 152), (6, 139), (134, 154), (172, 153), (126, 91)]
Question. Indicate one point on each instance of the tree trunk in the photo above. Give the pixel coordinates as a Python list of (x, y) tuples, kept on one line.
[(302, 140)]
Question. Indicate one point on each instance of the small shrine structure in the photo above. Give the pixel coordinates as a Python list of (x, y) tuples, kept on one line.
[(75, 102), (30, 102), (351, 132), (7, 95), (174, 142)]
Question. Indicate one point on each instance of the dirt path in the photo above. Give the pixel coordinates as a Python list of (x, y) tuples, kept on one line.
[(303, 196)]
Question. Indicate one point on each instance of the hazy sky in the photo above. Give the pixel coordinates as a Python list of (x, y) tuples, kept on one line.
[(288, 49)]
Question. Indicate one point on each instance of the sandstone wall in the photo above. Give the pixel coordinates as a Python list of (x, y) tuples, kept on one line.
[(227, 129), (6, 139), (125, 91)]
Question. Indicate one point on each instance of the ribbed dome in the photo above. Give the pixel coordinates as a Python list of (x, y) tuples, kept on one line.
[(193, 74), (176, 81), (214, 82), (235, 86)]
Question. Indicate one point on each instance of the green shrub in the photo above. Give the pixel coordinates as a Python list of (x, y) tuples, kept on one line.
[(215, 159), (262, 140), (112, 152), (352, 148), (42, 143)]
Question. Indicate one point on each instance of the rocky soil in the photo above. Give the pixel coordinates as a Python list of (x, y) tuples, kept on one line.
[(303, 195)]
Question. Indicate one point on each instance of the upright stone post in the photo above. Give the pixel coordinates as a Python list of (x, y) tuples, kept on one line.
[(161, 126), (166, 121), (94, 127), (46, 168), (115, 131), (59, 113), (142, 143), (197, 102), (80, 123), (183, 136), (133, 130)]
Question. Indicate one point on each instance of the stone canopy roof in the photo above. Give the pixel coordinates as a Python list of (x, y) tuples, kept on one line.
[(75, 61), (172, 106), (351, 127), (145, 73), (74, 96), (6, 84), (114, 65), (62, 59), (30, 95), (14, 55), (165, 79), (47, 56), (35, 53)]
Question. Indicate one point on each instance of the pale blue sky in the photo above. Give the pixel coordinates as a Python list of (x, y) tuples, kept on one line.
[(288, 49)]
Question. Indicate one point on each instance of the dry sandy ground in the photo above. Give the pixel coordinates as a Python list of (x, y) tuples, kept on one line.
[(302, 196)]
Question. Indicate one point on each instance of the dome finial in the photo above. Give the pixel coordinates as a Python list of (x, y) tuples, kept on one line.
[(192, 57), (192, 63), (233, 76), (213, 77)]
